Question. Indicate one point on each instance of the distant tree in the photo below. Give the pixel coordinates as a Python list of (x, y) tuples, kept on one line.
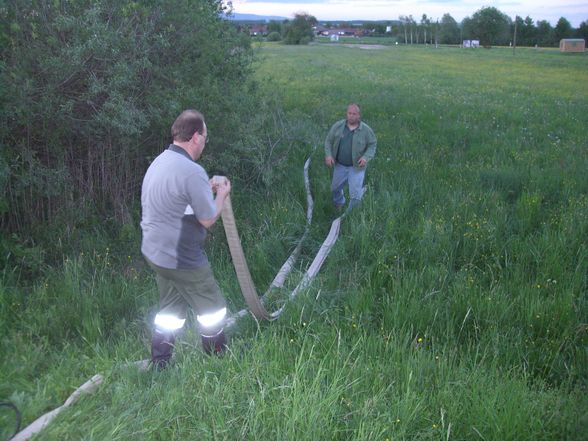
[(582, 31), (563, 29), (449, 30), (490, 26), (467, 29), (377, 28), (299, 30), (425, 26), (404, 20), (545, 35), (396, 30), (274, 26), (527, 32), (411, 28), (274, 36)]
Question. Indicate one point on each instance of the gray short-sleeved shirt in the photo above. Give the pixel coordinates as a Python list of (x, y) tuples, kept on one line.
[(175, 194)]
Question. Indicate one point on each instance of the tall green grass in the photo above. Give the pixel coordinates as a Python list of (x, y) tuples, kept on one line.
[(452, 307)]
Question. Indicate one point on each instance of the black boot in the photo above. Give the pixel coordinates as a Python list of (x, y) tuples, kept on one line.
[(162, 344), (216, 344)]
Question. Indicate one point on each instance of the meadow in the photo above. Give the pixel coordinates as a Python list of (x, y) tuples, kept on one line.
[(453, 306)]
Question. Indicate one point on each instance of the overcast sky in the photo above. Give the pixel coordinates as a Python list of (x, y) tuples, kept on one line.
[(575, 11)]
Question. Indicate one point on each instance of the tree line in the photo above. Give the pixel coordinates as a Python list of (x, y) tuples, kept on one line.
[(488, 25), (493, 27)]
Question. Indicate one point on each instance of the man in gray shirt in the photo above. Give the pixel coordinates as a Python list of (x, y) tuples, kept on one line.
[(177, 208)]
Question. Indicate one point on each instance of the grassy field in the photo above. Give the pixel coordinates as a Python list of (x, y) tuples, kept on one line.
[(453, 307)]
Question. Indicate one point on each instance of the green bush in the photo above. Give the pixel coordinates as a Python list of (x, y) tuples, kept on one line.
[(90, 89), (299, 30), (274, 36)]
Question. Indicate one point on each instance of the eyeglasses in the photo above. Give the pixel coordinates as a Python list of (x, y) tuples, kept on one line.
[(206, 138)]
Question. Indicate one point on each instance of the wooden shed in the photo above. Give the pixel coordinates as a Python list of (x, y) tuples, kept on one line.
[(572, 45)]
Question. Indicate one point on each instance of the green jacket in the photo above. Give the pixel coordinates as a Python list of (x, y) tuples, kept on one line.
[(364, 141)]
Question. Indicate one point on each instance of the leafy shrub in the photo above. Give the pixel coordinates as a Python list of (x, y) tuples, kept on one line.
[(299, 30), (90, 89), (274, 36)]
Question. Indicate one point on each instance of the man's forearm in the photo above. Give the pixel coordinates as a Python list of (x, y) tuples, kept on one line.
[(219, 203)]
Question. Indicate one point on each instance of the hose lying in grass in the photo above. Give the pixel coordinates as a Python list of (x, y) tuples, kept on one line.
[(17, 414), (247, 288), (40, 423)]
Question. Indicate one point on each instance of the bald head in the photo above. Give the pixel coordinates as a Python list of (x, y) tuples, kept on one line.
[(355, 106), (353, 115)]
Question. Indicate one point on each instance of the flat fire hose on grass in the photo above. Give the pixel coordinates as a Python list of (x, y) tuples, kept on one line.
[(40, 423), (254, 302), (243, 275)]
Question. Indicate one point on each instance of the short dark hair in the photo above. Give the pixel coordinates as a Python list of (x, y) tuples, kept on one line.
[(189, 122)]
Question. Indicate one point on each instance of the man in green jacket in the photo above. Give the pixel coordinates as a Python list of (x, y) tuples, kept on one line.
[(349, 146)]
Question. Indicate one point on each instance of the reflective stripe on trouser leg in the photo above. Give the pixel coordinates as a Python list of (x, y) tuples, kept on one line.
[(212, 323), (211, 331), (168, 322), (163, 339)]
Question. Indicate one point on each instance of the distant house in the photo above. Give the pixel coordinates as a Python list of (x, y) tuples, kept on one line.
[(258, 30), (351, 32), (341, 32), (321, 30), (471, 43), (572, 45)]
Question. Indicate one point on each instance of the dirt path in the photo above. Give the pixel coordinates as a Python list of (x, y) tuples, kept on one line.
[(366, 46)]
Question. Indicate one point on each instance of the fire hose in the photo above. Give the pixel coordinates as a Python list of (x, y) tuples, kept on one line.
[(254, 302), (17, 414)]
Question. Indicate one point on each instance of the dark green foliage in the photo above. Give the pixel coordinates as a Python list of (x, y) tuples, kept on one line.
[(489, 25), (563, 29), (274, 26), (299, 30), (90, 89), (379, 29), (526, 31), (449, 30), (545, 35), (582, 31), (274, 36)]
